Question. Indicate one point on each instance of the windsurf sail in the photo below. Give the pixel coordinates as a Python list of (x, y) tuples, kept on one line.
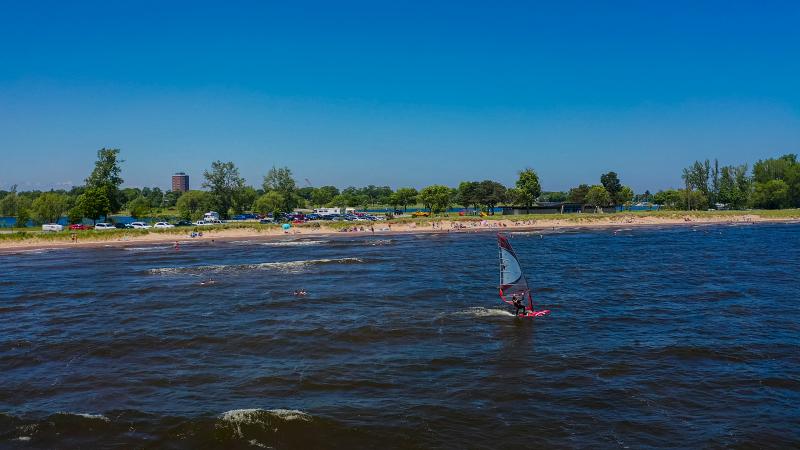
[(512, 281)]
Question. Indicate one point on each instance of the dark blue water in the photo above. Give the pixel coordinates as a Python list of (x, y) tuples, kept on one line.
[(677, 337)]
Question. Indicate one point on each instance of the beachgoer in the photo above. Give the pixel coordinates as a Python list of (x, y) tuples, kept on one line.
[(177, 246)]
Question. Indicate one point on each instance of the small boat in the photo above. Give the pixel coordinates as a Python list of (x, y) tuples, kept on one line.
[(514, 288)]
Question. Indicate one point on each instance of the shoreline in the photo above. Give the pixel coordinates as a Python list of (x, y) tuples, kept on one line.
[(427, 225)]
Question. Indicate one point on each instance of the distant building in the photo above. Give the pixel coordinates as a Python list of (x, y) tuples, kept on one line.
[(180, 182)]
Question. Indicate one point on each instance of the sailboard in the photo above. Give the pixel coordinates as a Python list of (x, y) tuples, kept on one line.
[(513, 285)]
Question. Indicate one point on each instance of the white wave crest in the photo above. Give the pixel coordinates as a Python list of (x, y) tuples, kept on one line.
[(88, 416), (292, 243), (288, 266), (381, 242), (255, 415), (486, 312), (238, 418), (148, 249)]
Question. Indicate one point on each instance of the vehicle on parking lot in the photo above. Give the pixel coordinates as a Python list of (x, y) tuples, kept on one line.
[(312, 216), (80, 226), (183, 223), (122, 226), (201, 223), (104, 226), (52, 227), (140, 225), (420, 214), (267, 220), (163, 225)]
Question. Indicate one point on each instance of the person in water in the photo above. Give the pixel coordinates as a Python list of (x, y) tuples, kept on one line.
[(516, 299)]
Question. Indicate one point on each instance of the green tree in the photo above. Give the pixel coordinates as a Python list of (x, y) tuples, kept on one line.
[(94, 203), (406, 196), (49, 207), (491, 193), (468, 194), (155, 197), (224, 182), (306, 193), (193, 204), (598, 196), (323, 195), (625, 195), (772, 194), (528, 188), (554, 196), (280, 180), (436, 198), (171, 198), (9, 204), (23, 212), (139, 207), (339, 201), (578, 194), (106, 174), (729, 192), (270, 203), (610, 182), (244, 199), (670, 199)]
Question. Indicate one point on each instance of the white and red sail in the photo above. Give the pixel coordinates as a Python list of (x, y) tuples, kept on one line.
[(512, 280)]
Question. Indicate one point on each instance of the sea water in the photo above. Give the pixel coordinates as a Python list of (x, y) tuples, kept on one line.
[(684, 336)]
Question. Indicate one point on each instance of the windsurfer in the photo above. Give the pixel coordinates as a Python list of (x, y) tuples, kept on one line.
[(516, 299)]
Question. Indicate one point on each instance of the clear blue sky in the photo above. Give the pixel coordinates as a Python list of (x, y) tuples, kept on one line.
[(397, 93)]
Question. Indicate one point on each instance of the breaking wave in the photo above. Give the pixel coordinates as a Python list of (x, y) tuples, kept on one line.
[(292, 243), (148, 249), (287, 266), (485, 312)]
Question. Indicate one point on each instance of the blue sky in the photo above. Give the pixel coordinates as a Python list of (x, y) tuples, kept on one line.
[(398, 93)]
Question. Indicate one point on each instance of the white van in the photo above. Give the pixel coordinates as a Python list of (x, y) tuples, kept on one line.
[(52, 227)]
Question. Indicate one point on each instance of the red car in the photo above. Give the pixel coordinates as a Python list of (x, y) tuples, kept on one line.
[(80, 226)]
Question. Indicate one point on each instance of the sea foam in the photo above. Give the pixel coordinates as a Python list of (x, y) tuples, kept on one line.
[(287, 266)]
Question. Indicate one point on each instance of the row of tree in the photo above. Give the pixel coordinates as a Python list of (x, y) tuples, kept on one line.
[(773, 183)]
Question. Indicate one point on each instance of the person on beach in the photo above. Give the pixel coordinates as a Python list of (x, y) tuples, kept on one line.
[(177, 246)]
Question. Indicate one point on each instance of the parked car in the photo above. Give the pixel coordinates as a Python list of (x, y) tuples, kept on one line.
[(183, 223), (52, 227), (312, 216), (122, 226), (201, 223), (80, 226), (104, 226), (420, 214), (140, 225), (163, 225), (266, 220)]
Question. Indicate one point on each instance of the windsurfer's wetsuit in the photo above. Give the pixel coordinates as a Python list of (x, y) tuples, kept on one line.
[(518, 305)]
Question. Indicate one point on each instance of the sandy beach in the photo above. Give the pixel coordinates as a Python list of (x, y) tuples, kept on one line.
[(428, 225)]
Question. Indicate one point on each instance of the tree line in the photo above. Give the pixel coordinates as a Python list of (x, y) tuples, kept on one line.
[(772, 183)]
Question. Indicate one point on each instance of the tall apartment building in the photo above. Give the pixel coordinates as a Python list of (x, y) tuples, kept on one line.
[(180, 182)]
